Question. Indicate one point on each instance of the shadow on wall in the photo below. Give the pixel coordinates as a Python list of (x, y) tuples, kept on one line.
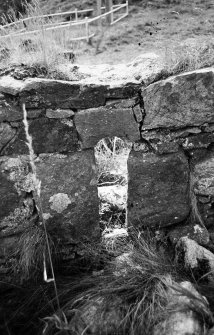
[(111, 155)]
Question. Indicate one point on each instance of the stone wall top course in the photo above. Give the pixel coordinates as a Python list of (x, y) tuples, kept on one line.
[(40, 92), (180, 101)]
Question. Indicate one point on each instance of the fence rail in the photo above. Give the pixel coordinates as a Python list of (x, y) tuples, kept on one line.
[(66, 24)]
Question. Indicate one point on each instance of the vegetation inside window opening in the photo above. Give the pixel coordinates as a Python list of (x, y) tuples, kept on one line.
[(111, 158)]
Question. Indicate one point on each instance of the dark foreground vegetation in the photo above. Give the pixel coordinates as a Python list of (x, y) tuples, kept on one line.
[(101, 293)]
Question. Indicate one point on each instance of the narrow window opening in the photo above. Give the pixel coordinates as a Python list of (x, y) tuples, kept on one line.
[(111, 155)]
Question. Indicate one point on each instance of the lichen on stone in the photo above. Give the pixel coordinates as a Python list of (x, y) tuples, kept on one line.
[(59, 202)]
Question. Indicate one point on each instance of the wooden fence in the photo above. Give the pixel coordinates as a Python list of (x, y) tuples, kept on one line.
[(22, 26)]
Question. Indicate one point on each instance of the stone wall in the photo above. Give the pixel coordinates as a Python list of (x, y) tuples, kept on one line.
[(170, 123)]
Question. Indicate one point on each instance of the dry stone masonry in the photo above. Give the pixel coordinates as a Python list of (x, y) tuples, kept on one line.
[(171, 166)]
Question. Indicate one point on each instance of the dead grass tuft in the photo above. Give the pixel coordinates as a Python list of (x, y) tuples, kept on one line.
[(185, 57), (30, 252), (111, 156)]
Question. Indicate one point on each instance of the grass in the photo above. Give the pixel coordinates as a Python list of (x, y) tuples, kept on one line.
[(123, 296), (187, 45), (30, 251), (45, 49), (111, 156), (131, 296), (187, 57)]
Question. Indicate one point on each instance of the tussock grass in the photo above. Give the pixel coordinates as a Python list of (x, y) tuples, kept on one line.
[(191, 56), (188, 56), (41, 49), (131, 296), (30, 252)]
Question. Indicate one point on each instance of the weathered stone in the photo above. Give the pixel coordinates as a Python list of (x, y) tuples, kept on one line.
[(203, 187), (203, 176), (9, 199), (192, 231), (18, 220), (143, 69), (183, 100), (69, 193), (194, 253), (164, 135), (67, 95), (34, 113), (199, 141), (10, 111), (157, 189), (49, 135), (121, 90), (209, 128), (140, 146), (11, 86), (182, 318), (40, 92), (167, 140), (161, 141), (16, 206), (185, 132), (7, 133), (180, 323), (99, 316), (59, 113), (165, 147), (16, 170), (117, 120)]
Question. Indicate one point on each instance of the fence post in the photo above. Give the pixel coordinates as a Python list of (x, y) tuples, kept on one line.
[(98, 12), (112, 15), (127, 7), (108, 9), (87, 29), (76, 15)]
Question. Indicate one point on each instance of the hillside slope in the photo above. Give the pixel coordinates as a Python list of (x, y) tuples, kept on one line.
[(152, 26)]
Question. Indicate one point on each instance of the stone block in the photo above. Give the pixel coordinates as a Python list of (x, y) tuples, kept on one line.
[(16, 204), (59, 113), (157, 189), (9, 198), (112, 120), (69, 194), (198, 141), (193, 231), (203, 187), (10, 111), (203, 176), (180, 101), (7, 133), (40, 92), (49, 135)]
